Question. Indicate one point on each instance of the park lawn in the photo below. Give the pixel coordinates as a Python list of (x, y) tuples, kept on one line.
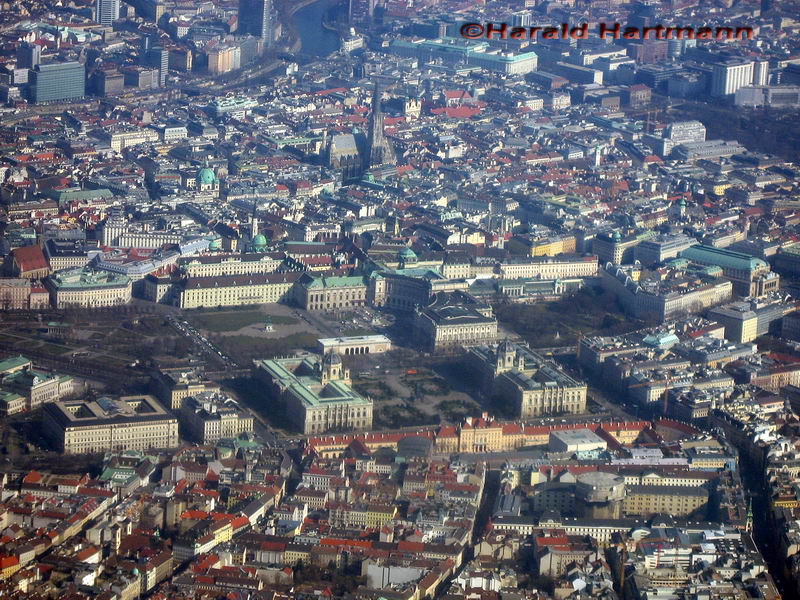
[(282, 320), (357, 331), (245, 346), (152, 325), (54, 349), (218, 322), (454, 410), (377, 390), (562, 322), (112, 361), (393, 416), (11, 340)]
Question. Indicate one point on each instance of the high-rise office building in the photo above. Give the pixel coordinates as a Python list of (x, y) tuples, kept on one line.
[(521, 18), (255, 18), (729, 76), (761, 72), (158, 57), (151, 10), (108, 83), (57, 82), (361, 11), (180, 59), (28, 55), (106, 11), (642, 15)]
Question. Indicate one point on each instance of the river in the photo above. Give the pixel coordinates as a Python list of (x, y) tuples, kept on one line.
[(315, 40)]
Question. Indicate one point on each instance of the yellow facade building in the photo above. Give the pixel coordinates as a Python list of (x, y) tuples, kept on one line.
[(536, 386), (87, 287), (105, 425), (237, 290), (172, 386)]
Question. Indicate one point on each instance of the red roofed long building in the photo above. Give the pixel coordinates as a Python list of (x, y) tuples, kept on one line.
[(29, 262), (476, 434)]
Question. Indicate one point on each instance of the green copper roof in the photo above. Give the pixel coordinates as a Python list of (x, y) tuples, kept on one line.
[(332, 282), (407, 254), (422, 273), (77, 277), (727, 259), (206, 176), (13, 363), (260, 241), (301, 379)]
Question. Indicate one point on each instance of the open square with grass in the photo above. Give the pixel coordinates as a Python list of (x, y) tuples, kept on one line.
[(234, 320)]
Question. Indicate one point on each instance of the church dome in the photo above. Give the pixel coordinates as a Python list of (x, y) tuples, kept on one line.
[(215, 244), (260, 241), (332, 359), (407, 255), (206, 176)]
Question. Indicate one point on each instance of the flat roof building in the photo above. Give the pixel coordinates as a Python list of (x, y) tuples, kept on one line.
[(57, 82), (679, 289), (750, 276), (453, 320), (357, 344), (745, 321), (575, 440), (173, 386), (108, 424), (87, 287), (709, 149), (208, 417), (478, 54), (661, 248)]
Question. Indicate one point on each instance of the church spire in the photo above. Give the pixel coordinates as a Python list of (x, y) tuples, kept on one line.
[(254, 220), (380, 151)]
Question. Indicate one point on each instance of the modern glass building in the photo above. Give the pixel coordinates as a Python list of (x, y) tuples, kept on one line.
[(57, 82), (28, 55), (255, 18), (158, 57)]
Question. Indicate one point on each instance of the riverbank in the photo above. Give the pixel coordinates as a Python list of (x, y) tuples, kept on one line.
[(286, 13)]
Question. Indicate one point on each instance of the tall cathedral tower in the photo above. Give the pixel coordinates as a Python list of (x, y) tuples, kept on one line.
[(380, 151)]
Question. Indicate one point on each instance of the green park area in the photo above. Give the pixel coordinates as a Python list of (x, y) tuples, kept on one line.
[(561, 323), (223, 321), (354, 331), (244, 347), (415, 397)]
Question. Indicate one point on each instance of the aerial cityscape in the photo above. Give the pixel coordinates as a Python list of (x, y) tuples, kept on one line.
[(399, 299)]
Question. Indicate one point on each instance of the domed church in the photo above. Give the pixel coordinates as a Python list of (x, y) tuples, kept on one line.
[(207, 181)]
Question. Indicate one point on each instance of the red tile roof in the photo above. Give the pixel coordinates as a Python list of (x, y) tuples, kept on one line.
[(30, 258)]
